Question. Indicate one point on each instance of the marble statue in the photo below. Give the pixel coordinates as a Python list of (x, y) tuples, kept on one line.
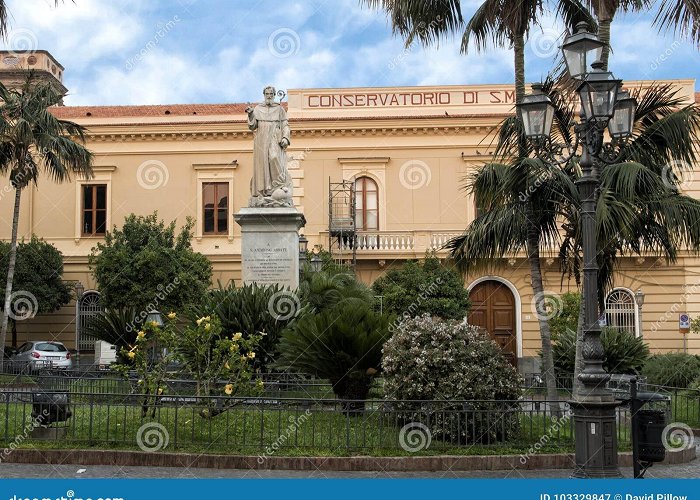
[(271, 185)]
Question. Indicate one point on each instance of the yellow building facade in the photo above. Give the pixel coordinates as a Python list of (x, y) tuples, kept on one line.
[(406, 150)]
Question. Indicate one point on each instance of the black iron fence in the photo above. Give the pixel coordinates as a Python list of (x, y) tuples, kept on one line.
[(264, 425)]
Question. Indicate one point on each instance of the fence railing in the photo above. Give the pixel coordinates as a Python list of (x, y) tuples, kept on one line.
[(264, 425)]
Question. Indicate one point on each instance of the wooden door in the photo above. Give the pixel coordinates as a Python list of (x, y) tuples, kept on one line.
[(493, 308)]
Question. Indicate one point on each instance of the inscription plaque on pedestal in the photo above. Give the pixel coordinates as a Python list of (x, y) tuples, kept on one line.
[(270, 245)]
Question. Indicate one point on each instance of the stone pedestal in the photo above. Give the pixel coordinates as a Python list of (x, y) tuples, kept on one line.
[(270, 245)]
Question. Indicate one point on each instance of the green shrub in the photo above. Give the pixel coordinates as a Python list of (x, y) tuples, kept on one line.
[(252, 310), (428, 287), (116, 326), (433, 360), (147, 265), (567, 315), (673, 369), (342, 344), (623, 353), (325, 289)]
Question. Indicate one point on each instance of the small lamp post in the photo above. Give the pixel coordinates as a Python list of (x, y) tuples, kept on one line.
[(156, 317), (639, 299), (316, 263), (303, 252)]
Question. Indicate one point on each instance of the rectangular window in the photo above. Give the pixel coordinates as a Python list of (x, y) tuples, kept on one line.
[(215, 201), (94, 209)]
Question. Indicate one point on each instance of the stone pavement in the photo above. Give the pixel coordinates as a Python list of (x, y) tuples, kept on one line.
[(689, 470)]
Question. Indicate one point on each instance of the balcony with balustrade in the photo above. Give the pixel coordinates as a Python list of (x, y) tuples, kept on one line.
[(399, 244)]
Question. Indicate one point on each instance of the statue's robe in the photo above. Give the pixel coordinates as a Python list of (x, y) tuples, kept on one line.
[(269, 159)]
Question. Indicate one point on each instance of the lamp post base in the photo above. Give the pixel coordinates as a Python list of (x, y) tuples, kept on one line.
[(595, 429)]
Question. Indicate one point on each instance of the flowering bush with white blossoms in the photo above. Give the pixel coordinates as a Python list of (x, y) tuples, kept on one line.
[(473, 386)]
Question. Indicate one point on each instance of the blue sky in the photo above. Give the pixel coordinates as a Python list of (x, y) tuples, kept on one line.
[(185, 51)]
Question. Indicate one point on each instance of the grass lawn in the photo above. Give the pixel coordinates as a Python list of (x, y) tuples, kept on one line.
[(258, 430)]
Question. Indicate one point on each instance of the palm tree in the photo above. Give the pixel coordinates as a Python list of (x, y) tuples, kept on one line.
[(683, 16), (503, 23), (31, 139), (640, 208)]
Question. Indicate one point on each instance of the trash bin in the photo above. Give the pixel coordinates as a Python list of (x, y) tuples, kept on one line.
[(50, 407), (651, 427)]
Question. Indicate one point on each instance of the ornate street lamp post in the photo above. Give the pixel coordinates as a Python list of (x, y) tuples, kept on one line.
[(603, 105)]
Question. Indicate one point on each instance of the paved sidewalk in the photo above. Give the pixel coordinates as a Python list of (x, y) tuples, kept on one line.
[(689, 470)]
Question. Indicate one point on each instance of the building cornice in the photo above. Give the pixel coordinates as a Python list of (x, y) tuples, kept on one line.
[(232, 130)]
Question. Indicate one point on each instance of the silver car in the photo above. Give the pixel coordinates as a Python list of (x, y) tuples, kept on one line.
[(40, 354)]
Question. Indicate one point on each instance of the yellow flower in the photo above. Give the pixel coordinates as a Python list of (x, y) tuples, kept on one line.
[(160, 390), (207, 327), (260, 384), (228, 389), (199, 321), (237, 336), (234, 347), (227, 366), (172, 315), (140, 335), (154, 324), (131, 354), (243, 358), (251, 354), (207, 318)]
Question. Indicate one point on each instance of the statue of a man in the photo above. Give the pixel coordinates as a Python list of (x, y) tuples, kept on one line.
[(271, 185)]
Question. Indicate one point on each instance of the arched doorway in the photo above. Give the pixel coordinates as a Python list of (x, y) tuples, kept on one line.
[(494, 309)]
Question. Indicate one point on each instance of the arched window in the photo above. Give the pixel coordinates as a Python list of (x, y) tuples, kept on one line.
[(366, 204), (621, 311)]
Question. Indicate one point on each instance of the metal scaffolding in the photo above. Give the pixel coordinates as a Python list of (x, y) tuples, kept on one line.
[(341, 222)]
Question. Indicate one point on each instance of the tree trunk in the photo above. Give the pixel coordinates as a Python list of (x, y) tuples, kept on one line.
[(605, 18), (10, 274), (533, 246), (578, 365), (547, 369), (604, 35)]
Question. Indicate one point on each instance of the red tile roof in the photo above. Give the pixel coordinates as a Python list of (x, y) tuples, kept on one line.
[(148, 110)]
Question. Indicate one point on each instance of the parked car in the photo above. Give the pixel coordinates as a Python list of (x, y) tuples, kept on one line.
[(40, 354)]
